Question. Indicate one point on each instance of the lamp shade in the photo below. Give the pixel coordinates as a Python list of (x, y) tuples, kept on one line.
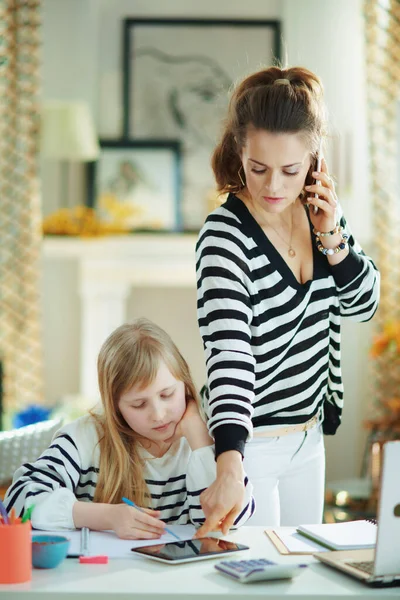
[(67, 132)]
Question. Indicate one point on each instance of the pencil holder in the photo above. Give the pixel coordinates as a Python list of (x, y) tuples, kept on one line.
[(15, 553)]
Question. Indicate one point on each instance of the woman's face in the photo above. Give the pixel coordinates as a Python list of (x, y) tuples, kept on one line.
[(275, 165)]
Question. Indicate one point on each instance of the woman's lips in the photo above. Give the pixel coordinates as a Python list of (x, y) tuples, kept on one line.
[(273, 199)]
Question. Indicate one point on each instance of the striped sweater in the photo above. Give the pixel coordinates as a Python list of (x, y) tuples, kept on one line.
[(67, 471), (272, 344)]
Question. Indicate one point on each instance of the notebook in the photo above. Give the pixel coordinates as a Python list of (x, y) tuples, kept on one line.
[(106, 542), (351, 535)]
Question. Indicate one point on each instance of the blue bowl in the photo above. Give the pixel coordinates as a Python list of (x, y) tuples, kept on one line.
[(48, 550)]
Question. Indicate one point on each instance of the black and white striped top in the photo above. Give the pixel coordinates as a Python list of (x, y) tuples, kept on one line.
[(272, 344), (67, 471)]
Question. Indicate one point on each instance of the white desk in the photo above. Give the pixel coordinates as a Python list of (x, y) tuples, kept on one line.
[(143, 579)]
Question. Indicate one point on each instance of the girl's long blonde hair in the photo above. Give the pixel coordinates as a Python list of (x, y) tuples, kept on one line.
[(130, 357)]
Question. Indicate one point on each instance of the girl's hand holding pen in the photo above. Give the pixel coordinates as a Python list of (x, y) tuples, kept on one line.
[(325, 218), (133, 524)]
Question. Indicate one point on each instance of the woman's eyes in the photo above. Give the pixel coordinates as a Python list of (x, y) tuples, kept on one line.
[(261, 172)]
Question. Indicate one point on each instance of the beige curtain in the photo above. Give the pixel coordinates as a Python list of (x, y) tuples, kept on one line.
[(20, 235)]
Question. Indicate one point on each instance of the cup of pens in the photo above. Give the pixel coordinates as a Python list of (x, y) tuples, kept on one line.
[(15, 548)]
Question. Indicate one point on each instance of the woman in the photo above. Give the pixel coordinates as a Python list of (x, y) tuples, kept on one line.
[(277, 268)]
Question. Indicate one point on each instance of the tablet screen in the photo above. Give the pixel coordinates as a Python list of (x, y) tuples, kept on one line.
[(187, 549)]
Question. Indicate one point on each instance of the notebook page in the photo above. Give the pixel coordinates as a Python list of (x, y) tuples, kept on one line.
[(351, 535), (107, 542)]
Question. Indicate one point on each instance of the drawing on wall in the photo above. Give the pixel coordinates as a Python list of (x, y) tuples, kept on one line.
[(137, 183), (177, 79)]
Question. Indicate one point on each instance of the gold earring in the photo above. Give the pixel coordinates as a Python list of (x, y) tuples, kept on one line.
[(240, 176)]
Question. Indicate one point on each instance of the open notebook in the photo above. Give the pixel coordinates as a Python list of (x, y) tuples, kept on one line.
[(351, 535), (106, 542)]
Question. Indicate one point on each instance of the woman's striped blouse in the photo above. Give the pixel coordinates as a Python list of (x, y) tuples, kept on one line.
[(272, 344)]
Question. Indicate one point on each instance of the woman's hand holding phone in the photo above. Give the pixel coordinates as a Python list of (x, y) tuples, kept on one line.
[(326, 201)]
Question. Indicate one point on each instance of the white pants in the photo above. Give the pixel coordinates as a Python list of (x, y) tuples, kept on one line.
[(288, 475)]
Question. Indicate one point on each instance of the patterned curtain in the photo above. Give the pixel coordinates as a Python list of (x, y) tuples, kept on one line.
[(382, 34), (20, 234)]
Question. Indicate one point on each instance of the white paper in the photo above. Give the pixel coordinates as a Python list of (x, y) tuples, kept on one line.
[(295, 542), (107, 543)]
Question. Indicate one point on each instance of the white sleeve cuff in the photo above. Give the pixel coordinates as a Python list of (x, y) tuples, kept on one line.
[(54, 510), (201, 469)]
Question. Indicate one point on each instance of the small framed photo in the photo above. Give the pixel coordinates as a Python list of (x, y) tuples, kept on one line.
[(137, 183)]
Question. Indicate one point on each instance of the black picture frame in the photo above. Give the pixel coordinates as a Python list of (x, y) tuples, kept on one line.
[(143, 175), (177, 74)]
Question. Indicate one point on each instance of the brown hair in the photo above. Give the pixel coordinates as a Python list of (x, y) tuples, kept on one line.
[(275, 100), (130, 356)]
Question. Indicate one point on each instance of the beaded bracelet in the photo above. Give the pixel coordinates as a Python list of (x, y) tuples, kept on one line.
[(330, 251), (337, 229)]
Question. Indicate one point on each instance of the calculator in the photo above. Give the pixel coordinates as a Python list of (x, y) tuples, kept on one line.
[(259, 569)]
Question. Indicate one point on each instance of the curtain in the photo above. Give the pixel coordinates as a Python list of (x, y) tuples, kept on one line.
[(20, 215)]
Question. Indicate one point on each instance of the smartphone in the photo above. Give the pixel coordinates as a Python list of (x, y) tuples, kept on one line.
[(318, 168), (176, 553)]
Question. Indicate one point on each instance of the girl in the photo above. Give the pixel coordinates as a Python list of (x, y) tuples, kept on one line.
[(277, 270), (148, 443)]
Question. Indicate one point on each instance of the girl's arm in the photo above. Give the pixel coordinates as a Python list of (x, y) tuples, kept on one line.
[(49, 483)]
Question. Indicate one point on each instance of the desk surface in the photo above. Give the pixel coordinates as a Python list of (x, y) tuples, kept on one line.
[(140, 578)]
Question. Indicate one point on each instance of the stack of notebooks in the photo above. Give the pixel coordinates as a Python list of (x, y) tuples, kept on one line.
[(308, 539)]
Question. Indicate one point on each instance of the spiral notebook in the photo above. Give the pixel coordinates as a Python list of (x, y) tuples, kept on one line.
[(350, 535)]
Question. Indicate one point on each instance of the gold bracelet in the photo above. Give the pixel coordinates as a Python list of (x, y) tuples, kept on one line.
[(338, 229)]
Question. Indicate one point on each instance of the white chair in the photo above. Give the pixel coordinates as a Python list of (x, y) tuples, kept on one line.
[(23, 445)]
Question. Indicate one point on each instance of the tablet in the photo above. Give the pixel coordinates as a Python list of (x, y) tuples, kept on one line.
[(175, 553)]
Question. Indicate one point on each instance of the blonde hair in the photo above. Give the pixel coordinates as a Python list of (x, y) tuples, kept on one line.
[(275, 100), (130, 357)]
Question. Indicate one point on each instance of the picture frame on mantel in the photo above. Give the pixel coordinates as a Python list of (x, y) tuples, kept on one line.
[(177, 75), (137, 184)]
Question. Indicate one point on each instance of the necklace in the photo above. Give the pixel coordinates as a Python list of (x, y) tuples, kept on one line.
[(291, 251)]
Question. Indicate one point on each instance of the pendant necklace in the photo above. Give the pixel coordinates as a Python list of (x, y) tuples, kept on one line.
[(291, 251)]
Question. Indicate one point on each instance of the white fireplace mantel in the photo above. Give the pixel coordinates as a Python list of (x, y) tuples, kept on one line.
[(108, 269)]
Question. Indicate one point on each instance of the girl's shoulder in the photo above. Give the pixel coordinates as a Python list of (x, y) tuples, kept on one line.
[(83, 433)]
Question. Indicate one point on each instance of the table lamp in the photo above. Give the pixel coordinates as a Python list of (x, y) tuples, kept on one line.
[(67, 135)]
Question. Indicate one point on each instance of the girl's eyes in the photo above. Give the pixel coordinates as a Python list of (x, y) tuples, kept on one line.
[(167, 395), (262, 171), (138, 405)]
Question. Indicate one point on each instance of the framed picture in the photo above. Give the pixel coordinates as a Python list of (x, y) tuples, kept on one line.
[(137, 183), (177, 74)]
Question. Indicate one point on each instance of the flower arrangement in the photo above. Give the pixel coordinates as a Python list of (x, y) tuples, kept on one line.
[(386, 345), (84, 221)]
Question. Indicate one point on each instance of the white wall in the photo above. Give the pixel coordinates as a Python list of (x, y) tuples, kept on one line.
[(81, 53)]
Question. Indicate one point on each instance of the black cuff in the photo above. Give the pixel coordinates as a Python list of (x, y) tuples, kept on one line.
[(347, 270), (230, 437)]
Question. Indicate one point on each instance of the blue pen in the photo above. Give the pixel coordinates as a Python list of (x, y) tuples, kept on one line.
[(130, 503)]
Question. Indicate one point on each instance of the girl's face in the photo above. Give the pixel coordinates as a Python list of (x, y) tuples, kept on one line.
[(154, 412), (275, 165)]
